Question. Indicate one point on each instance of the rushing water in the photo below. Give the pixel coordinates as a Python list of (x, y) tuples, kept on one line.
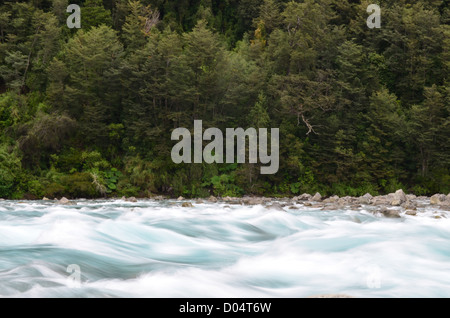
[(159, 249)]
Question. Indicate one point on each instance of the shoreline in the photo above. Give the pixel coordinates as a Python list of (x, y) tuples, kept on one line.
[(390, 205)]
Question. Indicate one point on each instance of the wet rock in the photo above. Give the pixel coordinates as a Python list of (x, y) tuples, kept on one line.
[(293, 207), (408, 205), (317, 197), (438, 215), (411, 212), (187, 205), (389, 213), (212, 199), (330, 208), (332, 199), (252, 201), (397, 198), (180, 198), (65, 201), (380, 200), (410, 197), (438, 199), (275, 206), (307, 204), (131, 199), (45, 199), (199, 201), (365, 199), (399, 194), (356, 219), (303, 197), (227, 199)]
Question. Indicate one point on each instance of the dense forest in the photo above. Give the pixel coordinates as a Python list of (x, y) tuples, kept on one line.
[(89, 112)]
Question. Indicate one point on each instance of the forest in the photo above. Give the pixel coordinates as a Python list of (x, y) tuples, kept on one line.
[(88, 113)]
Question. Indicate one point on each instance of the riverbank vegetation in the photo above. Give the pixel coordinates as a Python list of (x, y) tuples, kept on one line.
[(89, 112)]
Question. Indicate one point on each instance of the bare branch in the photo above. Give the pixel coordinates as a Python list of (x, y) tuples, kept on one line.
[(310, 127)]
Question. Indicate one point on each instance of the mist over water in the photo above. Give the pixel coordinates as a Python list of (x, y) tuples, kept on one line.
[(159, 249)]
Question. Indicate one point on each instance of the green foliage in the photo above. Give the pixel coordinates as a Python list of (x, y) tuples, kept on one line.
[(79, 185), (89, 112), (224, 185), (94, 14), (9, 171)]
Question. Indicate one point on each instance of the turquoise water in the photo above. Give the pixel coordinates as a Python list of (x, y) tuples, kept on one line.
[(159, 249)]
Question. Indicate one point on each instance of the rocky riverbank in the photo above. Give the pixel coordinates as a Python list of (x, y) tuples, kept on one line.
[(392, 205)]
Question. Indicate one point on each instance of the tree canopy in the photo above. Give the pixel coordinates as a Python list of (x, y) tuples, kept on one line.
[(89, 112)]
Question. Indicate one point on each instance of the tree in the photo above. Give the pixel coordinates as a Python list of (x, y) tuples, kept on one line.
[(93, 14), (429, 131), (88, 76)]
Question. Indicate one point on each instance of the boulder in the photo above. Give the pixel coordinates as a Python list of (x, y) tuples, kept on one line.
[(45, 199), (434, 200), (187, 205), (227, 199), (317, 197), (332, 199), (131, 199), (180, 198), (303, 197), (408, 205), (365, 199), (199, 201), (410, 197), (275, 206), (344, 200), (255, 201), (252, 201), (411, 212), (212, 199), (293, 207), (65, 201), (330, 208), (398, 198), (389, 213), (380, 200)]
